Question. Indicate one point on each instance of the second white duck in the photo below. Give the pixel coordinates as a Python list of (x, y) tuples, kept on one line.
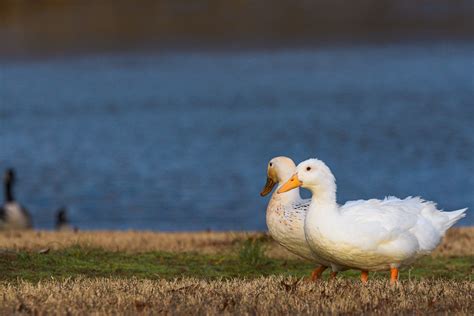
[(286, 214)]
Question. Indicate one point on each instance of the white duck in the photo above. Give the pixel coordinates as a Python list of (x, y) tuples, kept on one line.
[(286, 214), (12, 214), (369, 235)]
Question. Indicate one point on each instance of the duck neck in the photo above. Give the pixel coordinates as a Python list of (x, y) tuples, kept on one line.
[(324, 196), (287, 197), (9, 192)]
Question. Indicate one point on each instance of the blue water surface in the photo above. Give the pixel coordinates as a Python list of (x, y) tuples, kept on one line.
[(180, 141)]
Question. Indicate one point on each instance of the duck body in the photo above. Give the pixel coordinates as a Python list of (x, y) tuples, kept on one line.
[(370, 235), (285, 221), (378, 234)]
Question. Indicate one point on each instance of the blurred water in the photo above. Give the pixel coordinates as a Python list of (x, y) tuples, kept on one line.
[(180, 141)]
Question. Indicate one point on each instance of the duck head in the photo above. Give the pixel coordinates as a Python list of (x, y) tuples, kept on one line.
[(314, 175), (279, 170)]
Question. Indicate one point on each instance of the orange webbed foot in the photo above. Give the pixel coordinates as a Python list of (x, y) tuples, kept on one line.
[(393, 276), (316, 274)]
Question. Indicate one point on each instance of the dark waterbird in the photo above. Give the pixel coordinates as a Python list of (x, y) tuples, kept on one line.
[(12, 214), (62, 221)]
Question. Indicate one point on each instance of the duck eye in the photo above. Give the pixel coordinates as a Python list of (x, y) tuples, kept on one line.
[(270, 164), (308, 168)]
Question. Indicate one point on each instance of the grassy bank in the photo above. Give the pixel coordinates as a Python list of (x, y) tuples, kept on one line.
[(213, 273), (247, 259), (457, 242)]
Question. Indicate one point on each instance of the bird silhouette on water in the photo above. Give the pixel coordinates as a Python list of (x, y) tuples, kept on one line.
[(12, 214)]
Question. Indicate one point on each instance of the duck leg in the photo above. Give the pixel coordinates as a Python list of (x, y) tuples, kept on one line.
[(364, 276), (316, 274), (393, 276)]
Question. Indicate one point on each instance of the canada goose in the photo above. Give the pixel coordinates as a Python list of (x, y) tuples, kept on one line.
[(12, 214), (62, 222)]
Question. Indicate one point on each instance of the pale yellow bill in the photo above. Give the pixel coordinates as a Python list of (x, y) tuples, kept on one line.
[(291, 184)]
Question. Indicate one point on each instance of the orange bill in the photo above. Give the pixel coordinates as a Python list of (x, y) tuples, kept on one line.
[(268, 187), (291, 184)]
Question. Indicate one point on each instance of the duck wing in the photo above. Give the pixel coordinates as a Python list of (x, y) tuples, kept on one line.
[(301, 205), (416, 221), (372, 223)]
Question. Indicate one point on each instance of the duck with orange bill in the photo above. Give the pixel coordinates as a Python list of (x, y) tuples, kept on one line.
[(286, 213), (370, 235)]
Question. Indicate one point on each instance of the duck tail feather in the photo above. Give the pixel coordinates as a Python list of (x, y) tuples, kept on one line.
[(453, 217)]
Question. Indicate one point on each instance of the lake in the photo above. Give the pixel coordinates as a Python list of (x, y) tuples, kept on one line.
[(180, 140)]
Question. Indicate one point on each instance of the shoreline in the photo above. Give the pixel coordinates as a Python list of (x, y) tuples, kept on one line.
[(459, 241), (110, 272)]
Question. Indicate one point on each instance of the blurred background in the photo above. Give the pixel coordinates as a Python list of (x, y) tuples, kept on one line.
[(163, 114)]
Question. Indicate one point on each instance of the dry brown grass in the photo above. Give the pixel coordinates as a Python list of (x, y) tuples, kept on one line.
[(129, 241), (458, 241), (183, 296), (270, 295)]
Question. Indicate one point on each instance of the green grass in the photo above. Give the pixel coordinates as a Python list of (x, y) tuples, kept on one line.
[(252, 252), (247, 261)]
